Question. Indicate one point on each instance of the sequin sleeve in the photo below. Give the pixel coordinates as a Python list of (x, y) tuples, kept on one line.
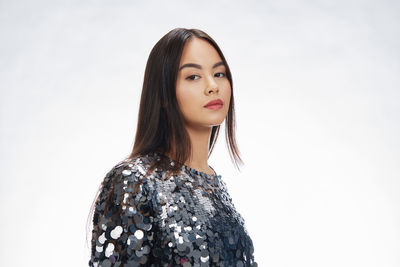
[(123, 219)]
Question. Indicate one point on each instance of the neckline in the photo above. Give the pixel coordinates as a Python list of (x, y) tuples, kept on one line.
[(192, 170), (197, 172)]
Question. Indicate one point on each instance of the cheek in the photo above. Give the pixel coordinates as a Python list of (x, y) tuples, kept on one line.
[(226, 92), (185, 100), (226, 95)]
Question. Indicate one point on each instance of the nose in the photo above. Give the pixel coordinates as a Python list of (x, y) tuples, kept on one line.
[(212, 86)]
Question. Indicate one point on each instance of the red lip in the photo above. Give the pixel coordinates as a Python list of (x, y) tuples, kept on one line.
[(214, 102)]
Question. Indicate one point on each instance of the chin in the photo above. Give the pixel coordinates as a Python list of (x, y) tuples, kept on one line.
[(208, 121), (215, 122)]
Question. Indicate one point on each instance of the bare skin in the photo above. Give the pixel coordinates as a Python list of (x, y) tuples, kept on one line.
[(195, 87)]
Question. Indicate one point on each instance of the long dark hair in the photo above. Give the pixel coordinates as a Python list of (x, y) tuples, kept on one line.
[(160, 124)]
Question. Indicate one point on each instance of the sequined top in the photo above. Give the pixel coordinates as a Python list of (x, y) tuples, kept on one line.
[(188, 219)]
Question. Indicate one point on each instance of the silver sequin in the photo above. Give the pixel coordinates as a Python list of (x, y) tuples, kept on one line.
[(116, 233), (139, 234)]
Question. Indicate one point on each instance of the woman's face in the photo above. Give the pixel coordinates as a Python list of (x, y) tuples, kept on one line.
[(201, 79)]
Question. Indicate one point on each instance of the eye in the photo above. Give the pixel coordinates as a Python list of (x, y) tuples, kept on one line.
[(220, 74), (192, 77)]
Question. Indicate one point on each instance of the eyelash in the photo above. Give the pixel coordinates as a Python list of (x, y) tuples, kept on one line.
[(189, 78)]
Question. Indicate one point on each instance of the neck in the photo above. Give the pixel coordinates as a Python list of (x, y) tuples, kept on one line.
[(199, 138)]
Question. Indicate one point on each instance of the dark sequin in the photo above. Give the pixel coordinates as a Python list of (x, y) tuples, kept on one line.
[(151, 220)]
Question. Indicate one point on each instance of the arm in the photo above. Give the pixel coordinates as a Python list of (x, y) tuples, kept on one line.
[(123, 219)]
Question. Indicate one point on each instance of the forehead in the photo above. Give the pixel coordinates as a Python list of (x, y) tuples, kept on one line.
[(199, 51)]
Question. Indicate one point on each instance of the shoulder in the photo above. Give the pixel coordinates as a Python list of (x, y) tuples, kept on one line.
[(130, 170), (124, 186)]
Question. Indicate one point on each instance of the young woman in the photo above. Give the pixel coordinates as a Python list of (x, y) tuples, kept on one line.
[(164, 205)]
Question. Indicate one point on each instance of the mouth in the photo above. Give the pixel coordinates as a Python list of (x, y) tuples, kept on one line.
[(214, 104)]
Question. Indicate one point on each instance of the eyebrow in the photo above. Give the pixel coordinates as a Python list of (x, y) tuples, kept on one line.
[(197, 66)]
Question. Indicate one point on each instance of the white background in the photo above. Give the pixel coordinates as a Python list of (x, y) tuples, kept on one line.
[(317, 96)]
